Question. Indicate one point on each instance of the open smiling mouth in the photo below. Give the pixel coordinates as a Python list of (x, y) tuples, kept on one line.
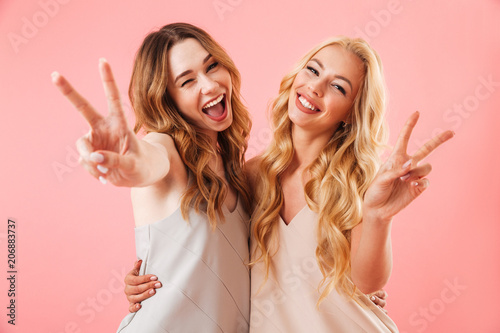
[(305, 103), (216, 109)]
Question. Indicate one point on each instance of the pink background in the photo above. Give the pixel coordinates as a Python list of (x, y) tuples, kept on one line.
[(75, 236)]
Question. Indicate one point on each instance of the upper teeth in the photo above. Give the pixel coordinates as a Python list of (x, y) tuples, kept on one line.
[(306, 104), (214, 102)]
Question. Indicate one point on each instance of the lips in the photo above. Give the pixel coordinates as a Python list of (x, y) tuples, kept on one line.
[(305, 104), (213, 101), (216, 109)]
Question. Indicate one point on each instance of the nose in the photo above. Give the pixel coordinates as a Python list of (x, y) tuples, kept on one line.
[(208, 85), (315, 86)]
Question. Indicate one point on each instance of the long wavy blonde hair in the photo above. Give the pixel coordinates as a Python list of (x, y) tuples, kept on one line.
[(155, 111), (340, 175)]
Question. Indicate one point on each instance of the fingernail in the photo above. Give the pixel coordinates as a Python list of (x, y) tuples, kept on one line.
[(137, 306), (407, 164), (373, 298), (103, 180), (414, 184), (102, 60), (54, 75), (152, 291), (96, 157), (405, 177), (101, 168), (154, 278), (158, 285)]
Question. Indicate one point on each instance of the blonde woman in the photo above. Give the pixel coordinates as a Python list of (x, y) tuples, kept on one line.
[(324, 208), (189, 193)]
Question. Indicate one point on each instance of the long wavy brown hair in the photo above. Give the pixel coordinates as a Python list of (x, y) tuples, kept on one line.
[(156, 111), (340, 175)]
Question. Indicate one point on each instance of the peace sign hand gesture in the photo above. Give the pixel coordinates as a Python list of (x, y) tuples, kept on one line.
[(110, 150), (400, 179)]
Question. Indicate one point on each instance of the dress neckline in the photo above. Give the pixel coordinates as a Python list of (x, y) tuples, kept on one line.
[(295, 217), (224, 206)]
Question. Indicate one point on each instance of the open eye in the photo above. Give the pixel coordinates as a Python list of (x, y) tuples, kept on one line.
[(186, 82), (339, 88), (212, 66), (312, 70)]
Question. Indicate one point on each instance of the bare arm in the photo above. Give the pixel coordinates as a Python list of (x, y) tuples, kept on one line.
[(371, 255), (111, 151), (399, 181)]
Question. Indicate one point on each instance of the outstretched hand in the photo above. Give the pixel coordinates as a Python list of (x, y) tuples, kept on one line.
[(109, 151), (401, 179)]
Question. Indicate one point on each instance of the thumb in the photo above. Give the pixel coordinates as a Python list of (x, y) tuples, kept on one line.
[(419, 186), (137, 267), (112, 160)]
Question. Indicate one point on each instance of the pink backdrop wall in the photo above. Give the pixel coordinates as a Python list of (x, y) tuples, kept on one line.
[(75, 236)]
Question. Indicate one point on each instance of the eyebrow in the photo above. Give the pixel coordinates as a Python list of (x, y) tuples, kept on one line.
[(336, 75), (189, 71)]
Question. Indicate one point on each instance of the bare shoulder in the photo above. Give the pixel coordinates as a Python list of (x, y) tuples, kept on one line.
[(155, 202), (165, 142), (161, 139)]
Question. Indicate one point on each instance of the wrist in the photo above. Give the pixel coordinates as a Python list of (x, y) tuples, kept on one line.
[(376, 216)]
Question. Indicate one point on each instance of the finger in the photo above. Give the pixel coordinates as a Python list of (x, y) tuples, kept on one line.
[(110, 160), (417, 173), (382, 294), (419, 186), (80, 103), (134, 307), (137, 267), (132, 279), (84, 148), (88, 160), (92, 170), (432, 144), (110, 88), (131, 290), (141, 297), (378, 301), (392, 169), (404, 136), (381, 302)]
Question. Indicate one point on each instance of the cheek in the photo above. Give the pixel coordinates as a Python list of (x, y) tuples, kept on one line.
[(228, 82), (339, 106), (187, 104), (299, 80), (222, 75)]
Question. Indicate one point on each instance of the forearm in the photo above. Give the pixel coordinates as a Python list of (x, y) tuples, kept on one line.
[(152, 163), (371, 254)]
